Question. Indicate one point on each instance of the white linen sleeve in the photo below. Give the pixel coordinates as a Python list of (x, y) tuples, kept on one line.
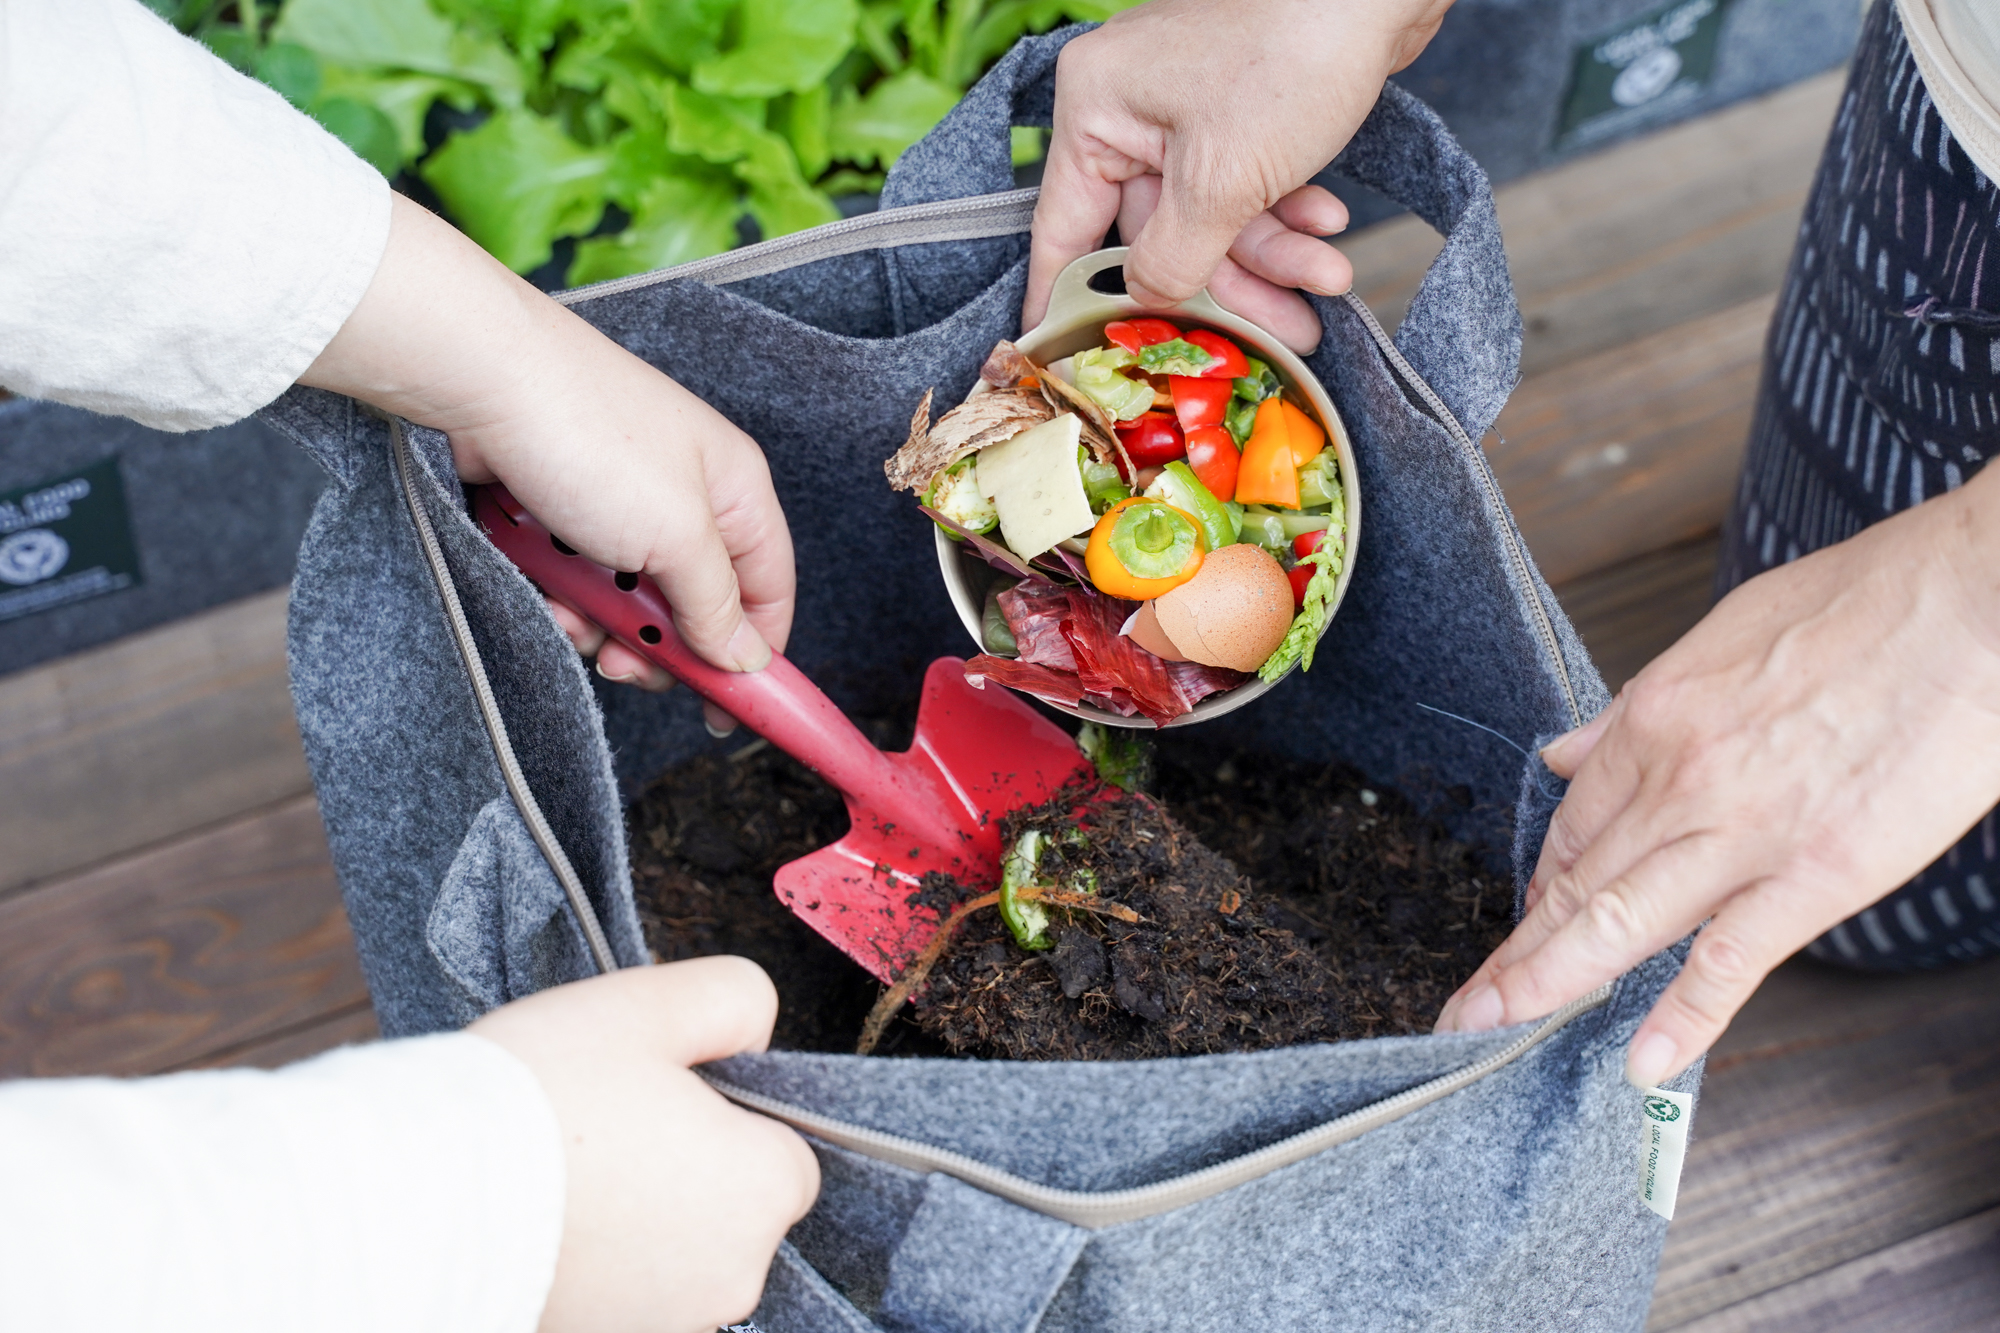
[(177, 243), (410, 1186)]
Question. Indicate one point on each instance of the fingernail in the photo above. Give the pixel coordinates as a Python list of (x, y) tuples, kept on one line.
[(1651, 1060), (626, 679), (1481, 1012), (747, 648), (717, 733)]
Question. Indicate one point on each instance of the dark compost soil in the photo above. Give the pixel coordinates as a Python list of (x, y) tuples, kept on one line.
[(1281, 903)]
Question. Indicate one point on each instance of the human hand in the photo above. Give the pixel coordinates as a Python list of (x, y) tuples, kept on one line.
[(1195, 125), (625, 465), (1831, 728), (676, 1200)]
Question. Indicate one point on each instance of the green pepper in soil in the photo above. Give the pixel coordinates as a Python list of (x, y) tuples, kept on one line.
[(954, 493), (1176, 356), (1179, 487), (995, 635), (1319, 481), (1097, 375), (1153, 541), (1101, 482), (1027, 921)]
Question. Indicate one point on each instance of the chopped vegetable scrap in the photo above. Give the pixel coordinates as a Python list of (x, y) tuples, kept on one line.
[(1153, 495)]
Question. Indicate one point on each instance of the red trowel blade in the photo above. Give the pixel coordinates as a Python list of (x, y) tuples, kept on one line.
[(978, 754)]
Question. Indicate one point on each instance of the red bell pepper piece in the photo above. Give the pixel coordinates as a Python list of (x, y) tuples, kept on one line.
[(1212, 457), (1152, 440), (1199, 401), (1230, 363), (1300, 575), (1132, 334)]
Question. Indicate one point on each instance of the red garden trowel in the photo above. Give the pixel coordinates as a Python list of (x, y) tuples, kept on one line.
[(977, 755)]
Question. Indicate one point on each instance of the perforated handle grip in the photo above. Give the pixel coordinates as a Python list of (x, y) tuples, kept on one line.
[(778, 703)]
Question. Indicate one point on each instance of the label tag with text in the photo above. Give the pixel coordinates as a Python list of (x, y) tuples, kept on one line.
[(1662, 1147)]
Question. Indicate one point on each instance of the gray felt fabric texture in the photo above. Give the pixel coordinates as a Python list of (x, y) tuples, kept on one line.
[(216, 515), (1510, 1205)]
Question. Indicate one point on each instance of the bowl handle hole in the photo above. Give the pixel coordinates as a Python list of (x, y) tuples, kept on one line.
[(1108, 281)]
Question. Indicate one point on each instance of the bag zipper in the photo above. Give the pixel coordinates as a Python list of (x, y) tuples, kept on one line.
[(1094, 1210)]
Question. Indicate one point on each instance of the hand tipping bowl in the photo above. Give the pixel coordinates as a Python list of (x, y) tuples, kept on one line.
[(1078, 312)]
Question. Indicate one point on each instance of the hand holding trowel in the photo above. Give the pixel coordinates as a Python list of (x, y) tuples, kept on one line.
[(935, 807)]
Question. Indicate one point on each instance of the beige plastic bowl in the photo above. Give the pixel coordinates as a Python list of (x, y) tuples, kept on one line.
[(1076, 319)]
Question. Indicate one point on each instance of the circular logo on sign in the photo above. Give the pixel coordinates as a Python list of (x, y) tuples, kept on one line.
[(31, 556), (1662, 1110), (1647, 77)]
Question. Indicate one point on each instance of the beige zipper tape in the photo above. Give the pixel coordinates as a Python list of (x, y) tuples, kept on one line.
[(489, 709), (978, 218), (1476, 458), (1094, 1210)]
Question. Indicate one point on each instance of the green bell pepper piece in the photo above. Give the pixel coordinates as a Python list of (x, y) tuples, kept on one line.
[(1319, 481), (1179, 487), (1097, 375), (1027, 921), (1153, 541)]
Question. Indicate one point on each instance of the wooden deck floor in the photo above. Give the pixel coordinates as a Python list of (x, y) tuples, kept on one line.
[(166, 901)]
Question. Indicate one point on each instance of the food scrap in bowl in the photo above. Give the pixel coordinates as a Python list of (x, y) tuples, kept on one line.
[(1169, 520)]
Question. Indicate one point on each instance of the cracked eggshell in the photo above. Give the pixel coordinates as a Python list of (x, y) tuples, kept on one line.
[(1233, 613), (1144, 629)]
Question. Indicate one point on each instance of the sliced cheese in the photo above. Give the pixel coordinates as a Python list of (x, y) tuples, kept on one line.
[(1035, 485)]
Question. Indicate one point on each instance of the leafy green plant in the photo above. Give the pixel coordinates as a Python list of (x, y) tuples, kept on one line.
[(687, 115)]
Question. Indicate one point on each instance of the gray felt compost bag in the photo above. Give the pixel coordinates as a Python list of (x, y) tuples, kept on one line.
[(1433, 1183)]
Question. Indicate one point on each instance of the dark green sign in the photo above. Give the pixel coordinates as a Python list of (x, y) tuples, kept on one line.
[(1642, 72), (65, 540)]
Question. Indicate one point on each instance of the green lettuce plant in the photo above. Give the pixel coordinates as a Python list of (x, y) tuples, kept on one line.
[(688, 115)]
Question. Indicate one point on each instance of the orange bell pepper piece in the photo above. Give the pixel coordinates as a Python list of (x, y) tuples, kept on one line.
[(1108, 573), (1307, 438), (1267, 474)]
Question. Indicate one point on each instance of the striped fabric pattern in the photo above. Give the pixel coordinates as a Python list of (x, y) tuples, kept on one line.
[(1881, 389)]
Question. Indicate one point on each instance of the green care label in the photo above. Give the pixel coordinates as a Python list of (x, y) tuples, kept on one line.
[(65, 540), (1641, 72)]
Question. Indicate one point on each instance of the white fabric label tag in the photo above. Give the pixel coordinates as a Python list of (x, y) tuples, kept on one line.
[(1662, 1147)]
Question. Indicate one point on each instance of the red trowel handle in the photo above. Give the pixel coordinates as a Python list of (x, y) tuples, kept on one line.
[(778, 703)]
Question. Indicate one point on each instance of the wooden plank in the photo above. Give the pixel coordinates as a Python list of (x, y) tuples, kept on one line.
[(1631, 613), (201, 946), (144, 739), (1945, 1281), (346, 1027), (1635, 449), (1621, 244), (1843, 1114)]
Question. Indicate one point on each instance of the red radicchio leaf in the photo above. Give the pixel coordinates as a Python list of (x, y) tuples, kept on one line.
[(1043, 682), (1106, 661), (996, 555), (1197, 682), (1035, 612)]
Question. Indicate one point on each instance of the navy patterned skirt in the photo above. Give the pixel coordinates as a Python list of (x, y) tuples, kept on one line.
[(1881, 388)]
